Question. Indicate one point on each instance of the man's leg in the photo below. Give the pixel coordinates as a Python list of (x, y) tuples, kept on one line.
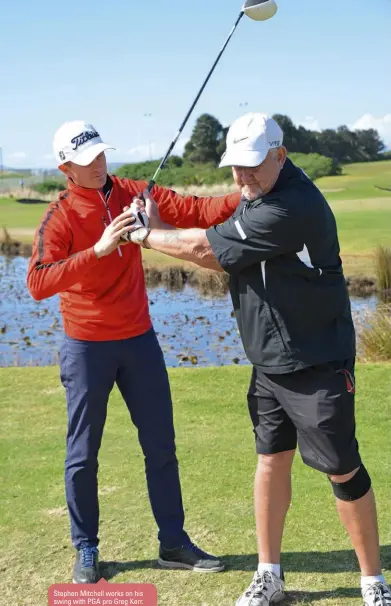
[(276, 439), (357, 511), (143, 381), (320, 402), (88, 372), (272, 497), (360, 520)]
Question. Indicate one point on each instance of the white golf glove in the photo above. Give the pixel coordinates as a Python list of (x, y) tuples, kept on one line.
[(141, 217), (140, 228)]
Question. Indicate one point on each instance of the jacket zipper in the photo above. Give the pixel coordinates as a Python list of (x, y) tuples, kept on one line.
[(272, 317), (105, 201)]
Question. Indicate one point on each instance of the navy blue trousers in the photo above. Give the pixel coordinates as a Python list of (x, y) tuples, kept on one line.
[(89, 370)]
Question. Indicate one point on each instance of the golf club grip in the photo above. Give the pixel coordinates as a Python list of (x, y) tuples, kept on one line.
[(149, 188)]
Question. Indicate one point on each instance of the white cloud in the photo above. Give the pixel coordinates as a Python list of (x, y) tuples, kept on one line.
[(382, 125), (114, 152), (155, 150), (142, 152), (310, 123), (17, 155)]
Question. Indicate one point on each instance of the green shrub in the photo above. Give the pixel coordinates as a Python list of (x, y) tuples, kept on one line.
[(316, 166), (175, 174), (47, 187), (179, 172)]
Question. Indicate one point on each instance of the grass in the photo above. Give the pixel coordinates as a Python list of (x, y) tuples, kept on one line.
[(363, 215), (383, 268), (358, 181), (375, 336), (217, 461), (363, 226), (4, 174), (157, 259), (25, 216)]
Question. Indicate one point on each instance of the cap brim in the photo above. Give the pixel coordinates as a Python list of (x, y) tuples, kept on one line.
[(88, 155), (248, 159)]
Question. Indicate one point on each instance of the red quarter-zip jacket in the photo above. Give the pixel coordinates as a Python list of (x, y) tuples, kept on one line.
[(105, 299)]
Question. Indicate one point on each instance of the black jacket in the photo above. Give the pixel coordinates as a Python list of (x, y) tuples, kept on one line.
[(286, 280)]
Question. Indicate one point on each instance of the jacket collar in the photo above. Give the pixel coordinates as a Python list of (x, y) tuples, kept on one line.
[(289, 171), (90, 194)]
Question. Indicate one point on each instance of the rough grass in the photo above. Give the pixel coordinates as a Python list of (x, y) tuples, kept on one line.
[(375, 336), (383, 268), (217, 461)]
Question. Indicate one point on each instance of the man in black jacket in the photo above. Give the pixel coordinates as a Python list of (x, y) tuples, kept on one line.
[(281, 251)]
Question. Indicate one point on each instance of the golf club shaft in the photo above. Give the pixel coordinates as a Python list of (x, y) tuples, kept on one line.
[(173, 143)]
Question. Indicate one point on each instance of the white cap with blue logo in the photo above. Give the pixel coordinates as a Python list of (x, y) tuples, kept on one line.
[(78, 142)]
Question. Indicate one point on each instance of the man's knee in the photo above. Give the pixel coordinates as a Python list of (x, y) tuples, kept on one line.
[(78, 460), (279, 460), (351, 486)]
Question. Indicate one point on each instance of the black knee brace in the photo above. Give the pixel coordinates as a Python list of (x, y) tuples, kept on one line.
[(355, 488)]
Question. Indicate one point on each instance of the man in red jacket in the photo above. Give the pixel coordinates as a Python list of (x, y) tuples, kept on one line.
[(78, 253)]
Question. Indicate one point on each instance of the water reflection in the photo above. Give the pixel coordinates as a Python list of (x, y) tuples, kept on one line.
[(193, 328)]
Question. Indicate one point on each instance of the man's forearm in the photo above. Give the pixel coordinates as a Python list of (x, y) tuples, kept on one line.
[(48, 279), (188, 245)]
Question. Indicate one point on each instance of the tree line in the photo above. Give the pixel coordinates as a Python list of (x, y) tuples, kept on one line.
[(320, 154), (343, 146)]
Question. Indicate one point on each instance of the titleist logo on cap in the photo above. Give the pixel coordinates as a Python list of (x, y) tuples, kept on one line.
[(83, 138)]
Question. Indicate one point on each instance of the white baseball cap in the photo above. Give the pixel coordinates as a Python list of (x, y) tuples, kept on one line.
[(249, 140), (77, 142)]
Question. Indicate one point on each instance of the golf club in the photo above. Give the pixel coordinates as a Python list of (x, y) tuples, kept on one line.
[(258, 10)]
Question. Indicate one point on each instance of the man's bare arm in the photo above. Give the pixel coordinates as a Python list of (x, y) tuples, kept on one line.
[(189, 245)]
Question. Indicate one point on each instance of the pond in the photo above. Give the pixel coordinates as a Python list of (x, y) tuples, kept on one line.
[(193, 329)]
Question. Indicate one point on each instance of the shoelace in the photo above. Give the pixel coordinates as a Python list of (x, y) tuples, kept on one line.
[(381, 594), (87, 556), (258, 584)]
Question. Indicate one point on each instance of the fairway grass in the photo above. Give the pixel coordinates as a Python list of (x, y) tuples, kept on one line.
[(217, 461), (363, 225), (363, 214), (359, 181)]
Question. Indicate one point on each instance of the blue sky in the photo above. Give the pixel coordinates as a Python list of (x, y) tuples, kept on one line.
[(322, 63)]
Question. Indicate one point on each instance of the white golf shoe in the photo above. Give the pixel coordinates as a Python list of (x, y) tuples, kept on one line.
[(377, 594), (265, 589)]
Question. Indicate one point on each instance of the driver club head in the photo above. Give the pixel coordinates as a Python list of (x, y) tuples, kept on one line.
[(260, 10)]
